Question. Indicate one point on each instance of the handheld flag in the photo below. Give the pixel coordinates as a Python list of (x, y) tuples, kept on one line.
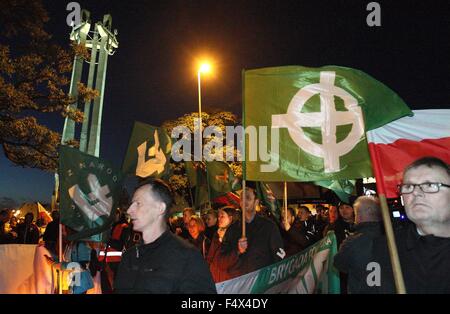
[(397, 144), (220, 178), (148, 153), (90, 190), (320, 115)]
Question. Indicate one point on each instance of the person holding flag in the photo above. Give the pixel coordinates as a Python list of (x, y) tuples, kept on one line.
[(262, 245)]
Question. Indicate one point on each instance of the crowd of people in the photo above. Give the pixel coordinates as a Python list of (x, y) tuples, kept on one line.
[(163, 253), (23, 230)]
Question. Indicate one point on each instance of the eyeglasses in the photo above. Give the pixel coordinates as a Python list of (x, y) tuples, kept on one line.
[(429, 187)]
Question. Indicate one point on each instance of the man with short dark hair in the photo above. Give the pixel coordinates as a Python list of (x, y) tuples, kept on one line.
[(28, 232), (424, 246), (164, 263), (262, 245)]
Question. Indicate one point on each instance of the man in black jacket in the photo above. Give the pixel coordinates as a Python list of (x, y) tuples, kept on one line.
[(424, 246), (164, 263), (355, 252), (262, 245)]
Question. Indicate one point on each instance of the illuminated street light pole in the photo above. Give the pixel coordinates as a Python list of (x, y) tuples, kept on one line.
[(204, 68)]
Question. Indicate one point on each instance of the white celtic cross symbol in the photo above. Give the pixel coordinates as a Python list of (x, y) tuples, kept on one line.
[(327, 119)]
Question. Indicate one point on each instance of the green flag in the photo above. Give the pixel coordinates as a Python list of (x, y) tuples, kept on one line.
[(148, 153), (342, 188), (201, 188), (267, 198), (220, 178), (198, 181), (321, 115), (90, 190), (191, 172)]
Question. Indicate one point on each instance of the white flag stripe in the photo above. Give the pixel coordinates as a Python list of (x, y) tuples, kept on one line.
[(425, 124), (102, 253)]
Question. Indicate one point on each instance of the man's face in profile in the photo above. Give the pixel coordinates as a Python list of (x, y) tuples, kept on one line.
[(143, 209), (427, 208)]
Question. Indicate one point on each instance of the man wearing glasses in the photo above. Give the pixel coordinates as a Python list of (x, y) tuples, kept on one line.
[(424, 246)]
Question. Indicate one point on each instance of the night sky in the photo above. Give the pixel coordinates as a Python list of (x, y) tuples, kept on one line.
[(152, 76)]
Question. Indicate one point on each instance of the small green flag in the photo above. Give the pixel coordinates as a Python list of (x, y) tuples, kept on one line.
[(198, 181), (321, 115), (191, 172), (201, 188), (220, 178), (148, 153), (90, 191), (267, 198), (343, 188)]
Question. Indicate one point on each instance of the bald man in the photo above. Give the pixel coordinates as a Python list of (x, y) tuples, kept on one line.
[(356, 251)]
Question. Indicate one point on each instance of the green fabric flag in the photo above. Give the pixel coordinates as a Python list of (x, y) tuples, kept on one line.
[(198, 181), (321, 115), (201, 189), (148, 153), (220, 178), (90, 189), (191, 172), (342, 188), (267, 198)]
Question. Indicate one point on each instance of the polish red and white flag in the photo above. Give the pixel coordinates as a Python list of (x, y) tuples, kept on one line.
[(395, 145)]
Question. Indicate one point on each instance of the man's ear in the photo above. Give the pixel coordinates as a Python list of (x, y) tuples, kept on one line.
[(161, 208)]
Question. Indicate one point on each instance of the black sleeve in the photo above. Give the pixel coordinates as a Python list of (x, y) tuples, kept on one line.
[(196, 277), (276, 244)]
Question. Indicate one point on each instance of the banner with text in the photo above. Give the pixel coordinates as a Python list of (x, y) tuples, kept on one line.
[(310, 271)]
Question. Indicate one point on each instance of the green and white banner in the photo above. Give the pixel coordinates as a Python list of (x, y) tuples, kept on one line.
[(148, 153), (90, 190), (313, 122), (310, 271)]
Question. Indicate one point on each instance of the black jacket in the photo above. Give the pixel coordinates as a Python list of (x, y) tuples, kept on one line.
[(167, 265), (424, 261), (294, 239), (265, 245), (341, 229), (355, 254)]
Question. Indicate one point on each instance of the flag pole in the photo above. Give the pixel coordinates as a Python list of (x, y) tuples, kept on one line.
[(243, 208), (60, 257), (244, 161), (285, 202), (393, 252)]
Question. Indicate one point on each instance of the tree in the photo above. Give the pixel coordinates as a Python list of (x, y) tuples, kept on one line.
[(178, 180), (34, 73)]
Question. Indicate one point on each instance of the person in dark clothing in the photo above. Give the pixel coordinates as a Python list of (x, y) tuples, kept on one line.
[(423, 246), (197, 235), (293, 239), (28, 232), (51, 233), (321, 218), (307, 225), (355, 252), (184, 227), (5, 237), (211, 223), (165, 263), (262, 245), (222, 253), (341, 226)]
